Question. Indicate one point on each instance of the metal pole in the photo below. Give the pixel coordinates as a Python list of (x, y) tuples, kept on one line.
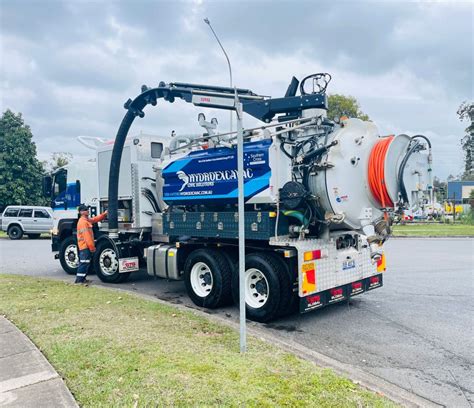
[(454, 208), (206, 20), (241, 212)]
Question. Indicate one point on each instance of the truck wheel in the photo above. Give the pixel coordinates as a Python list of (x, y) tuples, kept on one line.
[(33, 236), (68, 255), (106, 264), (267, 287), (15, 232), (207, 276)]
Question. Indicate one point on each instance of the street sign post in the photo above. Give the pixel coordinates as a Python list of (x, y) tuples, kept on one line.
[(241, 212)]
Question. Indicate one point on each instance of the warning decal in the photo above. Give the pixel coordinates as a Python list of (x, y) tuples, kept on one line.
[(308, 272)]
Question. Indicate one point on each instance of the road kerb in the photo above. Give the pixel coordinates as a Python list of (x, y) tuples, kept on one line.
[(26, 376), (356, 375)]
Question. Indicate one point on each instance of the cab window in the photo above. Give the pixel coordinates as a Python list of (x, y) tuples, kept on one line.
[(60, 183), (24, 212), (11, 212), (156, 150), (41, 214)]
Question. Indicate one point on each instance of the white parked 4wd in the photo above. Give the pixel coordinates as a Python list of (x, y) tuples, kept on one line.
[(25, 219)]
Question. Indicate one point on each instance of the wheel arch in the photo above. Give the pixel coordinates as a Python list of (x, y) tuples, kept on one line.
[(15, 224), (66, 227)]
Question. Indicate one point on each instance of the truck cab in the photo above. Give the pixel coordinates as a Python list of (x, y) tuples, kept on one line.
[(86, 182), (66, 188)]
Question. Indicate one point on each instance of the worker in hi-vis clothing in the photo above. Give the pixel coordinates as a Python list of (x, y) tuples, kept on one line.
[(85, 241)]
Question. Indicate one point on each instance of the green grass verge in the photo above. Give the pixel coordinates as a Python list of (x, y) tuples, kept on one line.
[(115, 349), (433, 230)]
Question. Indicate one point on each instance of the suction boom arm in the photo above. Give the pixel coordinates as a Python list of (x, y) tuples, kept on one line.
[(260, 107)]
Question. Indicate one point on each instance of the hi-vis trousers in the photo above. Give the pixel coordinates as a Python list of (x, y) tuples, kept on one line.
[(85, 258)]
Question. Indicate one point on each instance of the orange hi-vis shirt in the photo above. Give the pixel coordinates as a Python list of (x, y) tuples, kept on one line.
[(85, 236)]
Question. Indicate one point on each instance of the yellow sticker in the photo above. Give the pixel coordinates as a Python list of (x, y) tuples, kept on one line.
[(308, 276), (308, 266)]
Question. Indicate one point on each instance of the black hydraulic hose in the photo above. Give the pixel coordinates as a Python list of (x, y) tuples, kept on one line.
[(282, 148), (318, 152), (151, 198), (155, 209), (414, 147), (422, 137), (401, 183)]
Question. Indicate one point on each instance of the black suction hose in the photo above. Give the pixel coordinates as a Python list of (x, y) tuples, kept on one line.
[(114, 172), (134, 109)]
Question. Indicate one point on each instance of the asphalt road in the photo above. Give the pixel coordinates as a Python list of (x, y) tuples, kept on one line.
[(415, 332)]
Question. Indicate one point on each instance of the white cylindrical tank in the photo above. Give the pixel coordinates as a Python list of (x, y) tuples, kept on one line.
[(341, 180)]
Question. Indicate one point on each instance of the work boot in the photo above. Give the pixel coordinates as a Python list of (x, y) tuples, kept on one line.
[(83, 282)]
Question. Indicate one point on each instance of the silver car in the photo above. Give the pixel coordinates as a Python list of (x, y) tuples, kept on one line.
[(18, 220)]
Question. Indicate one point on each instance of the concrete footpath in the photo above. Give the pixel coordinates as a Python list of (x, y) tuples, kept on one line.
[(26, 377)]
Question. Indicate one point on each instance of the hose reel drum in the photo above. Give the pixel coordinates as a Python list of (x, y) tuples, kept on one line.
[(344, 186)]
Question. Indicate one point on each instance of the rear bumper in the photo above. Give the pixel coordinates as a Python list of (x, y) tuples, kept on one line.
[(340, 293)]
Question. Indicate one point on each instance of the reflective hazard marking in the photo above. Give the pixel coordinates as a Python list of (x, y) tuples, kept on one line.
[(308, 272), (381, 264)]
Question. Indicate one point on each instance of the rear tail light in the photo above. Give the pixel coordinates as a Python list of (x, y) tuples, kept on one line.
[(314, 299), (357, 285), (336, 292), (374, 280), (312, 255)]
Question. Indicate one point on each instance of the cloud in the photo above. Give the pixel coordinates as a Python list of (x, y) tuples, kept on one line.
[(70, 66)]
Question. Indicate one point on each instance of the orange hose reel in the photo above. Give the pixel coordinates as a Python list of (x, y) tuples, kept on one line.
[(377, 172)]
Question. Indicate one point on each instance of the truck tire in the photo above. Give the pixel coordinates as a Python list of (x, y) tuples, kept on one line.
[(208, 277), (69, 255), (33, 236), (15, 232), (106, 265), (267, 286)]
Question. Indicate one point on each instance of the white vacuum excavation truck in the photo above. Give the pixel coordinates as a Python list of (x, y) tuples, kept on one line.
[(319, 200)]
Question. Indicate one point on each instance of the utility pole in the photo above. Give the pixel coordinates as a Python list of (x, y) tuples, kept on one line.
[(206, 20)]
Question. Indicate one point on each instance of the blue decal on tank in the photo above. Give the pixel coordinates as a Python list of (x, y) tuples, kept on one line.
[(211, 174), (177, 165)]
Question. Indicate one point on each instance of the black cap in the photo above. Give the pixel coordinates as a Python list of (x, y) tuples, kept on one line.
[(83, 207)]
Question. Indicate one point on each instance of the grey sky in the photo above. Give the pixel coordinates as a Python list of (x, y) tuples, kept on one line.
[(68, 66)]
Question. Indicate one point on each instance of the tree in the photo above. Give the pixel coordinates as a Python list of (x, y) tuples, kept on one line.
[(20, 171), (341, 105), (466, 113), (57, 160)]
